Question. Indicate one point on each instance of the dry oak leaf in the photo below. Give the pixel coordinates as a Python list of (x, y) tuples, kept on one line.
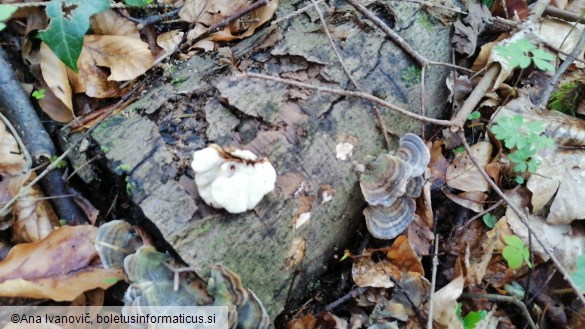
[(126, 57), (110, 22), (60, 267), (445, 305), (55, 75), (473, 200), (12, 162), (462, 173), (209, 12), (559, 176)]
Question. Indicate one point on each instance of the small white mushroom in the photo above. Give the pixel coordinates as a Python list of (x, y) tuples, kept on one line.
[(234, 180)]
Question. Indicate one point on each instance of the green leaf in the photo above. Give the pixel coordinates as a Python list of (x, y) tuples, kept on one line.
[(515, 252), (514, 241), (519, 179), (6, 12), (490, 220), (579, 274), (543, 55), (472, 318), (513, 257), (138, 3), (543, 65), (69, 23), (459, 149)]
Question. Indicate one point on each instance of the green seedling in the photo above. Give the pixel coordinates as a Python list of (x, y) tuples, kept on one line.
[(516, 252), (61, 164), (490, 220), (470, 320), (123, 168), (474, 115), (522, 53), (39, 94), (525, 139)]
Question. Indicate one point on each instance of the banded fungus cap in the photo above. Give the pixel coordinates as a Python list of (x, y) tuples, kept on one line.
[(413, 150), (232, 179), (147, 264), (227, 289), (389, 222), (114, 241), (384, 180)]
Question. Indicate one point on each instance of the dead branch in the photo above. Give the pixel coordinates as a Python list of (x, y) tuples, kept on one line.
[(18, 109), (347, 93)]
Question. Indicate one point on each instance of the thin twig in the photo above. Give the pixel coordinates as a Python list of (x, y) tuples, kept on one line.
[(343, 299), (475, 97), (505, 299), (377, 113), (294, 13), (346, 93), (433, 281), (150, 20), (523, 219), (420, 59), (563, 14)]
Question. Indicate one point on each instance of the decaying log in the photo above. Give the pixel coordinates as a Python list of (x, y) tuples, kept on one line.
[(300, 131)]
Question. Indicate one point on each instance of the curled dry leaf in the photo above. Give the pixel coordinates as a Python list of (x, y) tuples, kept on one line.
[(401, 259), (110, 22), (35, 218), (126, 57), (72, 270), (561, 35), (55, 75), (169, 41), (471, 200), (12, 162), (462, 173), (445, 305)]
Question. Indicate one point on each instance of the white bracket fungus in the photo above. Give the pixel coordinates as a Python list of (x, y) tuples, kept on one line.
[(231, 179)]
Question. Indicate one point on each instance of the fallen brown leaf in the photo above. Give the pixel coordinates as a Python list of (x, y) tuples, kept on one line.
[(55, 75), (462, 173), (59, 267), (445, 305)]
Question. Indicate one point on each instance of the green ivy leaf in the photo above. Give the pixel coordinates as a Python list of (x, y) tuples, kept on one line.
[(69, 23), (6, 12), (138, 3)]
